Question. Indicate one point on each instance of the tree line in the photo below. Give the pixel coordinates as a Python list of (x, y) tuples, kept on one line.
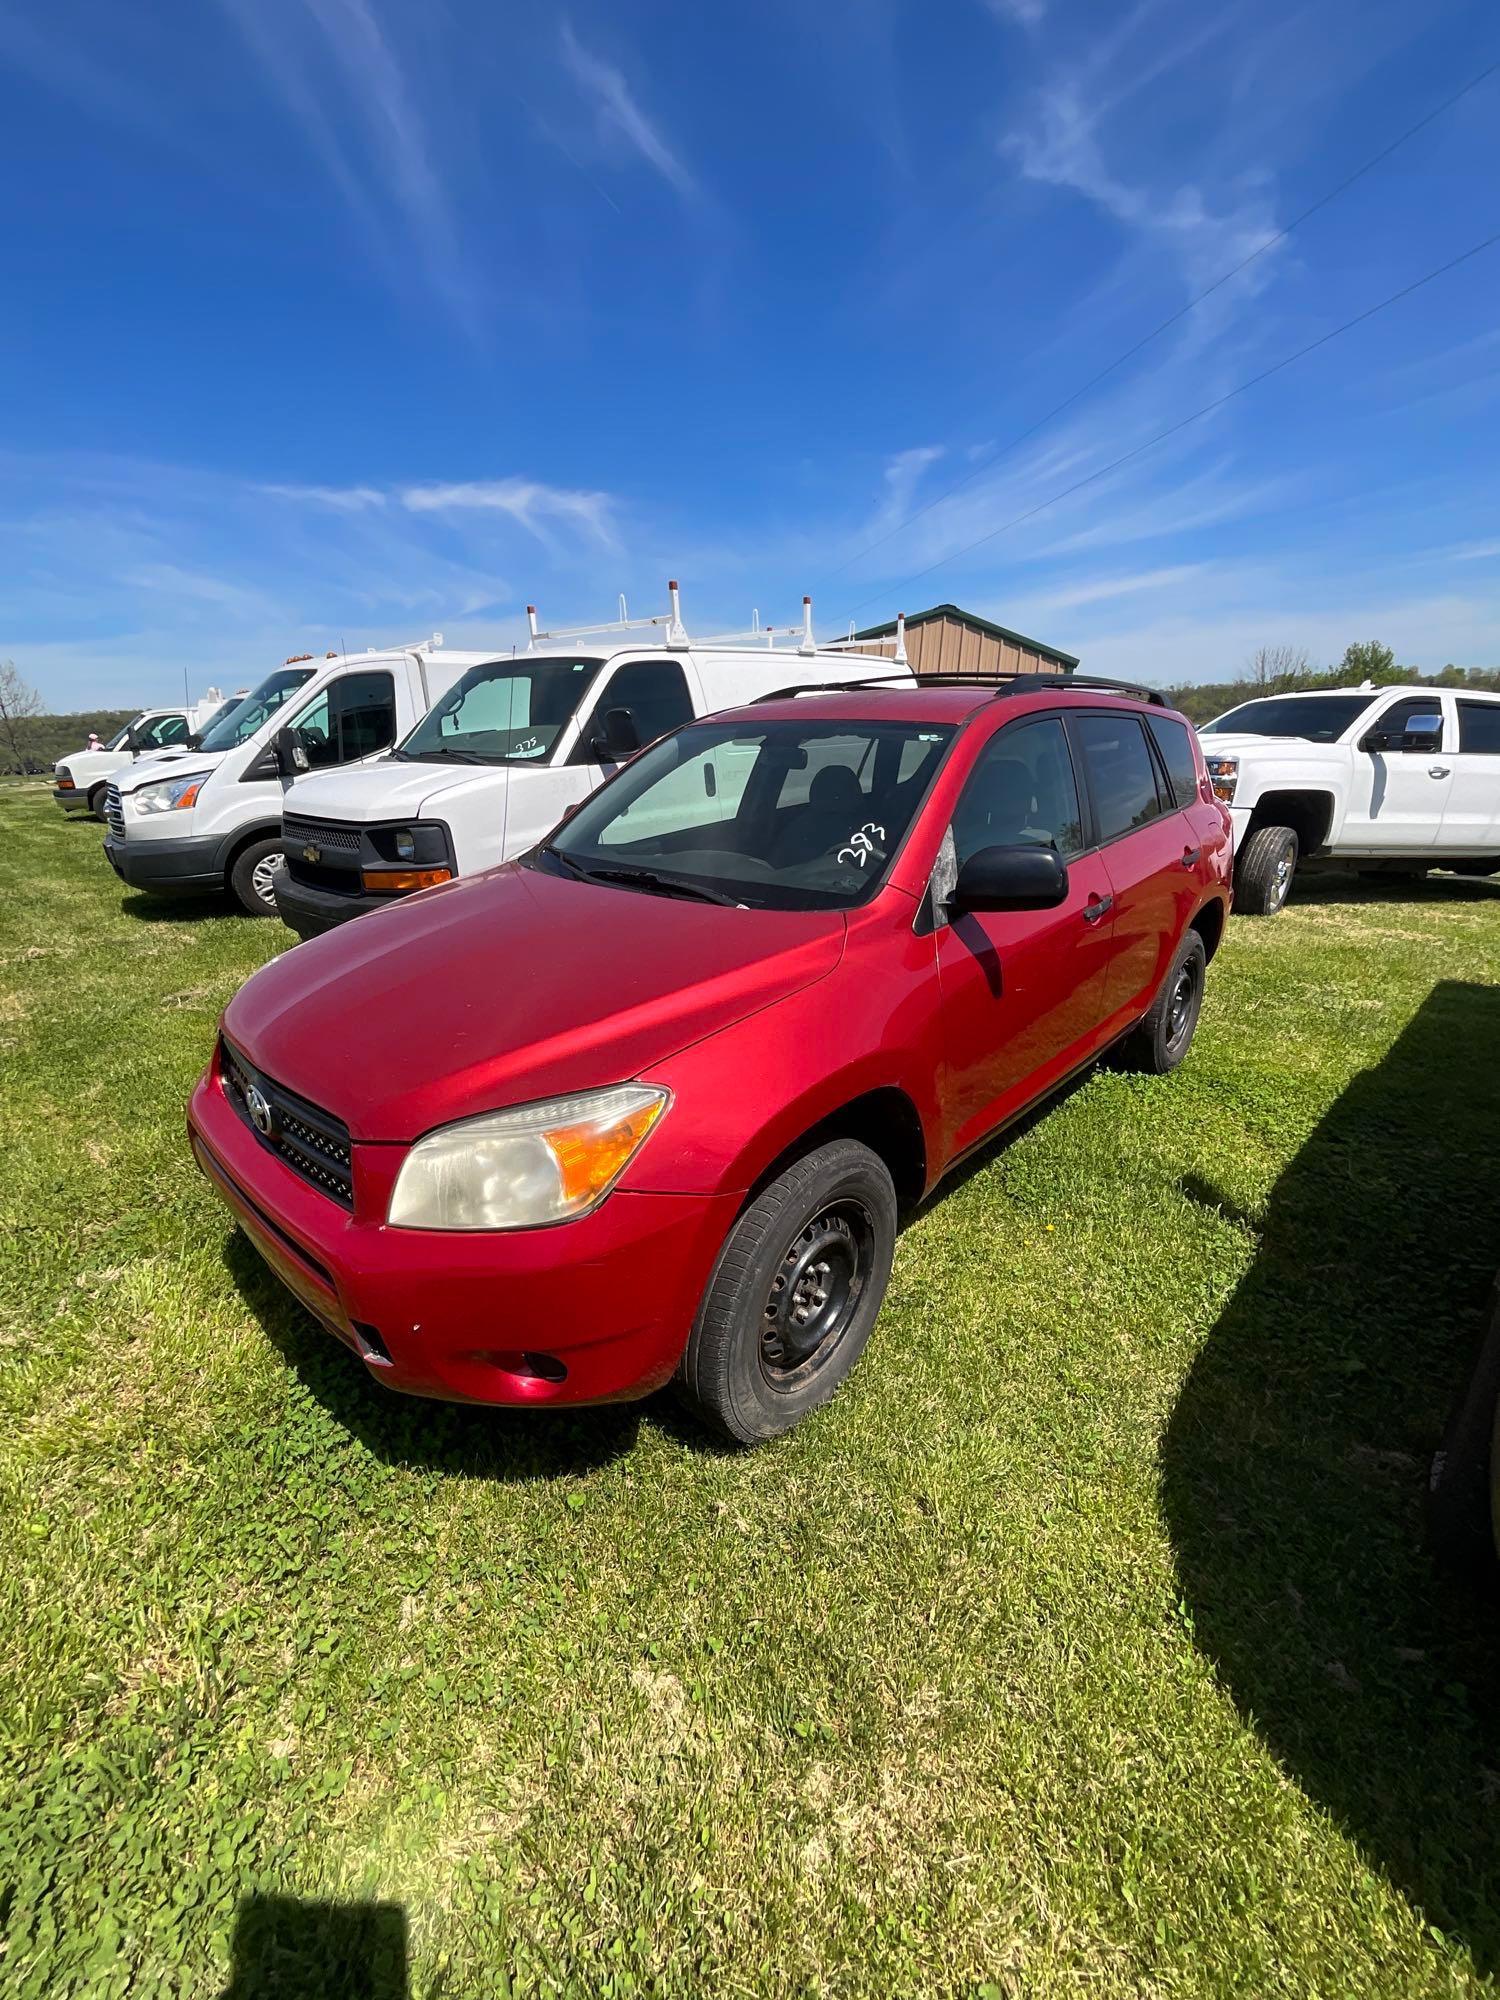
[(31, 741), (1289, 670)]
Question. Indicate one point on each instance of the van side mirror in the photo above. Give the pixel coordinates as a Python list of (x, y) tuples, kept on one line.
[(1011, 878), (617, 739), (1423, 731), (291, 756)]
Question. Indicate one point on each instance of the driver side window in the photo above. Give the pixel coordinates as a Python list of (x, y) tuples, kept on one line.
[(656, 694), (353, 718), (1021, 793), (1397, 717)]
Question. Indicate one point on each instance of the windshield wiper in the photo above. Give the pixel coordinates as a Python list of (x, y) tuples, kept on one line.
[(645, 878), (440, 750)]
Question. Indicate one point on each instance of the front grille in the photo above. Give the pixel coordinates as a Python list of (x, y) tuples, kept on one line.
[(336, 847), (114, 812), (311, 1142)]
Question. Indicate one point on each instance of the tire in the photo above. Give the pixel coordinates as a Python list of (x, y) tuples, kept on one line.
[(819, 1242), (250, 877), (96, 800), (1264, 871), (1164, 1037)]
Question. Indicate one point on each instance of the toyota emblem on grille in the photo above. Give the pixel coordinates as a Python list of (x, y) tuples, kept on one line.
[(312, 853), (262, 1117)]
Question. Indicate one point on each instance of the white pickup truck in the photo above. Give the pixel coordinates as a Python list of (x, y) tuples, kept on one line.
[(1391, 780)]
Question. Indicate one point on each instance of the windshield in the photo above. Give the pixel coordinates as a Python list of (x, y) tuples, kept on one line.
[(787, 815), (505, 712), (1321, 718), (118, 740), (221, 712), (258, 706)]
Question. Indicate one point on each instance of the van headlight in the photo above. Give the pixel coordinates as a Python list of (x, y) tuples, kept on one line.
[(1224, 775), (173, 796), (519, 1169)]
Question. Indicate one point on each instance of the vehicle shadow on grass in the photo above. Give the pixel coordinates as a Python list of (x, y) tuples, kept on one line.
[(286, 1949), (479, 1442), (1294, 1467), (1430, 891), (175, 909)]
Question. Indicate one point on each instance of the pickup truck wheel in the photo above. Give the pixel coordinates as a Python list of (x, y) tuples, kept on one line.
[(253, 877), (1263, 874), (1164, 1037), (96, 800), (794, 1295)]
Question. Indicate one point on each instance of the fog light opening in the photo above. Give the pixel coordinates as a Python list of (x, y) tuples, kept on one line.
[(529, 1367), (371, 1346)]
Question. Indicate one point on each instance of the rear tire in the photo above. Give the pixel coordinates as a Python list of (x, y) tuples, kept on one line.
[(252, 877), (793, 1297), (1264, 871), (1164, 1037)]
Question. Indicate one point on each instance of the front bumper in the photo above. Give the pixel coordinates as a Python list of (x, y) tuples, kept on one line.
[(309, 911), (185, 866), (70, 798), (611, 1296)]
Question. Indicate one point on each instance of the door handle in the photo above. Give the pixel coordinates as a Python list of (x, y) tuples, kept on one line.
[(1097, 907), (1191, 856), (1437, 770)]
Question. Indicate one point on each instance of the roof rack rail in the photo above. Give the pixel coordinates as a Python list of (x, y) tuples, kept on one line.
[(676, 635), (999, 684)]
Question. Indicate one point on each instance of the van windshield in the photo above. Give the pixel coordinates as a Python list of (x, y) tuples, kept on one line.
[(787, 815), (258, 707), (504, 712), (1321, 718)]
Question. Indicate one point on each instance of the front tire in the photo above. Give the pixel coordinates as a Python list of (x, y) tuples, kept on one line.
[(1263, 874), (253, 877), (793, 1297), (1161, 1041), (96, 801)]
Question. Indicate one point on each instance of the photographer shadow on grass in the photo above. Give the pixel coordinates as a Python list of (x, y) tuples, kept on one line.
[(286, 1949), (1295, 1464)]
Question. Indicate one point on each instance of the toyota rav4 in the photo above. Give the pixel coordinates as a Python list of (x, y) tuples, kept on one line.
[(644, 1104)]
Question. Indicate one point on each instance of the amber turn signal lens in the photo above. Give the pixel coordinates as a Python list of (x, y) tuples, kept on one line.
[(590, 1156), (396, 881)]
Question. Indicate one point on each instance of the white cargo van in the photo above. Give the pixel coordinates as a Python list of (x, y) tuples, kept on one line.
[(210, 818), (515, 743), (80, 777)]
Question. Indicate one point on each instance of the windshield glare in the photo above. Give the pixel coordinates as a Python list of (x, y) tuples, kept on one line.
[(504, 712), (1320, 718), (790, 815), (258, 707), (117, 741)]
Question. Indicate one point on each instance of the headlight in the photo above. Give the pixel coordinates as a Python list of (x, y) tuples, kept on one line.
[(518, 1169), (172, 796), (1224, 773)]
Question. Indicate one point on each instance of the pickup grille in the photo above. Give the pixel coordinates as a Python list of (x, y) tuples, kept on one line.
[(114, 812), (311, 1142)]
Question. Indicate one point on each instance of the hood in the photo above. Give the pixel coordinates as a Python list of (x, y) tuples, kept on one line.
[(143, 770), (389, 788), (1240, 743), (508, 986)]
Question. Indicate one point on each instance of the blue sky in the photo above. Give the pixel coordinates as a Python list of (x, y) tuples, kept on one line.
[(335, 321)]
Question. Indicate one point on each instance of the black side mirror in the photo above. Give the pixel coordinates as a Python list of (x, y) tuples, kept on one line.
[(291, 754), (1420, 732), (1011, 878), (618, 739)]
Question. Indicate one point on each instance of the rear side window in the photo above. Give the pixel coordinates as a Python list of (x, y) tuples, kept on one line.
[(1121, 776), (1176, 747), (1021, 793), (656, 694), (1479, 726)]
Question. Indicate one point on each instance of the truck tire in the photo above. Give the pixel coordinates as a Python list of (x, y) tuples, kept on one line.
[(96, 799), (252, 878), (793, 1296), (1161, 1041), (1263, 874)]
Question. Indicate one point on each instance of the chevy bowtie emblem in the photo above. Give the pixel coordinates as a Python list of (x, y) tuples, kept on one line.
[(312, 853)]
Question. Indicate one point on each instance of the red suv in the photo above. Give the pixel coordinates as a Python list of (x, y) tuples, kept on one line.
[(645, 1103)]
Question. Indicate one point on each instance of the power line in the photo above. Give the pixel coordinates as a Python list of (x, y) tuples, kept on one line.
[(1208, 408), (1171, 320)]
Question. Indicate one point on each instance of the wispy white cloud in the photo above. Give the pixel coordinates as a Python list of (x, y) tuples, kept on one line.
[(1106, 589), (620, 117), (526, 501), (1476, 552), (1027, 12), (366, 68), (342, 499), (903, 475)]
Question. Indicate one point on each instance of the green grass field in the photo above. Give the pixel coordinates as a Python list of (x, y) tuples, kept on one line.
[(1085, 1644)]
